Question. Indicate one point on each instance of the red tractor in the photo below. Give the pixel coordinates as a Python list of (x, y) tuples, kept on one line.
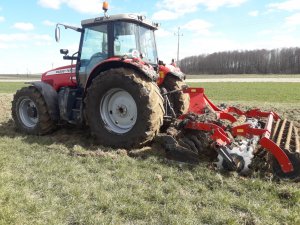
[(126, 96), (113, 87)]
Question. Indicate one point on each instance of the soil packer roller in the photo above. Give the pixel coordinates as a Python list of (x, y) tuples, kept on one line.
[(116, 86)]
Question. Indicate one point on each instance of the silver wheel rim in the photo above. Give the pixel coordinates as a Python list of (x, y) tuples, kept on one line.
[(28, 113), (118, 110)]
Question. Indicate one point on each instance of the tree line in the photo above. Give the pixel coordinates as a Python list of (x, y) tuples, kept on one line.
[(276, 61)]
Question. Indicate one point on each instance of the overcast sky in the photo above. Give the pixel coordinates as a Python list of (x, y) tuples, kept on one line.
[(27, 27)]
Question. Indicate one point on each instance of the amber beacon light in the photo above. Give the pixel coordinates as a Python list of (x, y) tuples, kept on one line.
[(105, 6)]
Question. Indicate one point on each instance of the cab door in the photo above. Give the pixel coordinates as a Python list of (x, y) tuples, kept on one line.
[(93, 50)]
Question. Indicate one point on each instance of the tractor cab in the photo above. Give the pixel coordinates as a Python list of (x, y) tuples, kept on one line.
[(111, 38)]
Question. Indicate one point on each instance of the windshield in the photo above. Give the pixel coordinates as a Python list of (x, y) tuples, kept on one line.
[(127, 37)]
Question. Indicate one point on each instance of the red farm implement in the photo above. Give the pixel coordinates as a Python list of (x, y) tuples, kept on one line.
[(234, 137)]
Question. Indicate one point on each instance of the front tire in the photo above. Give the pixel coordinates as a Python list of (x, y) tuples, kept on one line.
[(123, 109), (30, 112)]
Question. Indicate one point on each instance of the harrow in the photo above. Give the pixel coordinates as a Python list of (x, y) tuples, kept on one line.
[(233, 138)]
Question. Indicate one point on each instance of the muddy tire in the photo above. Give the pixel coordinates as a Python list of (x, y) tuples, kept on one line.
[(30, 112), (180, 101), (123, 109)]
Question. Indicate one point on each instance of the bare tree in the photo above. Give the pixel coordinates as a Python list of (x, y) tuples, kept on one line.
[(276, 61)]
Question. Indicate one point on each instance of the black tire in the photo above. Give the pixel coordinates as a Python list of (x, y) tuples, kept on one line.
[(149, 108), (40, 122), (180, 101)]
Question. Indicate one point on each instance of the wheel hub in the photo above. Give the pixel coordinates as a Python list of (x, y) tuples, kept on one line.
[(118, 111), (122, 111), (28, 112), (32, 112)]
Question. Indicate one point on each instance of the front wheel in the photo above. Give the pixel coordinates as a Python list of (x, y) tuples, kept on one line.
[(123, 109)]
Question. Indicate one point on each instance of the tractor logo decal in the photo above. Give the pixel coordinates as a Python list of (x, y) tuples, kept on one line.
[(61, 71)]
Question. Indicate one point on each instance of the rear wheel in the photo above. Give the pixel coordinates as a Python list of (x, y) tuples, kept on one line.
[(30, 113), (123, 109), (180, 101)]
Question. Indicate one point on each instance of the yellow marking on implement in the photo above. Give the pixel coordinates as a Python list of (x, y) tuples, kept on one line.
[(240, 130), (161, 74), (193, 90)]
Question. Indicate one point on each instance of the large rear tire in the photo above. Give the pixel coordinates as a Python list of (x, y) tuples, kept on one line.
[(180, 101), (123, 109), (30, 112)]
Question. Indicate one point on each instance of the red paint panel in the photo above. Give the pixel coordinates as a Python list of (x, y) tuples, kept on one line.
[(61, 77), (278, 153)]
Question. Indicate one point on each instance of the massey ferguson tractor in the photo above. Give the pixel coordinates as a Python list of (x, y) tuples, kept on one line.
[(116, 86)]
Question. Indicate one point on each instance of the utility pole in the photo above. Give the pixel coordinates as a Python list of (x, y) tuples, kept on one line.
[(178, 34)]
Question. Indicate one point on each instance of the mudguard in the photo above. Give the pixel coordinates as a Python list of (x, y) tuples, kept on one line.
[(136, 64), (179, 74), (50, 96), (169, 70)]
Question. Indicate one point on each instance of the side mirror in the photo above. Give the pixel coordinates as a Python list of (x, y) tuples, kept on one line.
[(64, 51), (57, 33)]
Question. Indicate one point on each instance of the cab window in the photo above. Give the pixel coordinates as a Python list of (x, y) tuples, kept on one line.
[(94, 46)]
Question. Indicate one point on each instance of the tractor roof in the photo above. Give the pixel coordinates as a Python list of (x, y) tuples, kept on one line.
[(120, 17)]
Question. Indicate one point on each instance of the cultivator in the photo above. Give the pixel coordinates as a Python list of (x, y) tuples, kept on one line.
[(233, 137)]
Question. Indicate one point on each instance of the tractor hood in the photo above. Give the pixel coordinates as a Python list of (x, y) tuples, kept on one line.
[(61, 77)]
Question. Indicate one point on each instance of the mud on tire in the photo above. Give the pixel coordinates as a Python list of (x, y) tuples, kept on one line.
[(142, 103), (180, 101), (30, 113)]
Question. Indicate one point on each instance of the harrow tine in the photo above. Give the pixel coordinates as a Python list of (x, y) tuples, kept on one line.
[(289, 136), (196, 142), (191, 144), (279, 138), (183, 144), (297, 140), (275, 129)]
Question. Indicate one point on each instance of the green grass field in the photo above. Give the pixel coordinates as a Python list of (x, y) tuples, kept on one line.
[(215, 76), (10, 87), (43, 180), (253, 92)]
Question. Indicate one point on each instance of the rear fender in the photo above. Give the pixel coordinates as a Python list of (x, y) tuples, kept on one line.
[(50, 96), (144, 70), (169, 70), (180, 75)]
